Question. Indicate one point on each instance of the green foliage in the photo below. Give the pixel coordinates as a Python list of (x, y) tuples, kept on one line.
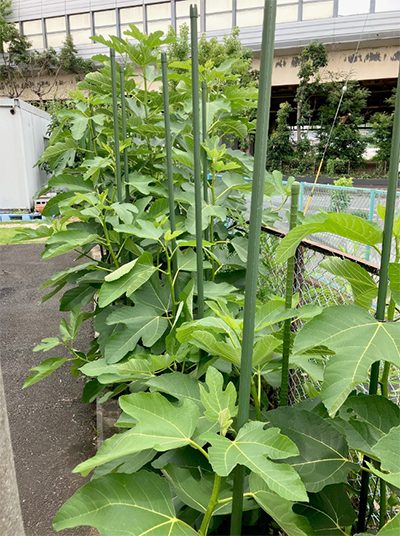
[(280, 150), (341, 200)]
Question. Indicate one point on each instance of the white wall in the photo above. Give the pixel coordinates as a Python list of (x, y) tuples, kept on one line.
[(22, 141)]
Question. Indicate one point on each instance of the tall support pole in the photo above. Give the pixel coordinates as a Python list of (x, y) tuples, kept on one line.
[(124, 132), (288, 298), (383, 277), (204, 137), (116, 128), (196, 157), (257, 196), (168, 146), (10, 512)]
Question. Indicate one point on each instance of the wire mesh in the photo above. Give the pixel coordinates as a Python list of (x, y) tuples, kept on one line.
[(315, 285)]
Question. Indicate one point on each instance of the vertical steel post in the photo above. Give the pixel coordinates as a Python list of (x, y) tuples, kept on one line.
[(10, 511), (124, 133), (370, 218), (288, 298), (168, 146), (257, 196), (116, 128), (196, 157), (383, 277), (204, 137)]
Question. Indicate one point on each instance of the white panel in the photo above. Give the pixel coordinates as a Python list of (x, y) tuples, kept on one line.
[(32, 27), (283, 2), (251, 17), (56, 40), (320, 10), (131, 14), (106, 31), (125, 27), (105, 18), (159, 11), (36, 40), (183, 20), (76, 22), (219, 22), (387, 5), (81, 37), (216, 6), (56, 24), (247, 4), (287, 14)]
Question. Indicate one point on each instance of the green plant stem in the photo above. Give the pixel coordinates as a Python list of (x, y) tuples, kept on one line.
[(211, 505), (256, 400), (382, 503), (195, 445), (170, 282)]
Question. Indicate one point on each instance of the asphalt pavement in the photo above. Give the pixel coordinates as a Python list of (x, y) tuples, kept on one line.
[(51, 429)]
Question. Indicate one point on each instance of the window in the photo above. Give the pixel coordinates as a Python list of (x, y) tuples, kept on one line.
[(105, 22), (34, 32), (387, 5), (354, 7), (218, 15), (79, 26), (158, 17), (287, 13), (250, 17), (55, 31), (131, 15), (317, 10)]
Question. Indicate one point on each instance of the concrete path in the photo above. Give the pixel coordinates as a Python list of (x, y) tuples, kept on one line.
[(51, 430)]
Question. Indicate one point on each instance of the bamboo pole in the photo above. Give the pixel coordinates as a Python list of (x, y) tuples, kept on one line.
[(257, 196), (116, 128), (288, 298), (124, 133), (383, 280), (196, 158), (168, 147)]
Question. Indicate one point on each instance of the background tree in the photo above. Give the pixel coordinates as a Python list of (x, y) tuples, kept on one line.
[(382, 123), (280, 149), (347, 143)]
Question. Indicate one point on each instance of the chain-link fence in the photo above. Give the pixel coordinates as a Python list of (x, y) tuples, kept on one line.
[(317, 286)]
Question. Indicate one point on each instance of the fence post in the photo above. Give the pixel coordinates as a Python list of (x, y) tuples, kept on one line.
[(301, 195), (10, 512), (370, 218)]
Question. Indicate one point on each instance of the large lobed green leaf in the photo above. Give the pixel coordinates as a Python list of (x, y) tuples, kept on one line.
[(124, 505), (357, 339)]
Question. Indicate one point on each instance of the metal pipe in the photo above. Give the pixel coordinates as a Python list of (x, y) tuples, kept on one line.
[(168, 146), (383, 276), (257, 196), (196, 158), (116, 128), (204, 136), (288, 298)]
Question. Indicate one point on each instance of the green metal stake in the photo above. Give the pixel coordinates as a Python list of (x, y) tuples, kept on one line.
[(204, 136), (383, 278), (124, 134), (168, 146), (116, 128), (257, 196), (288, 298), (196, 157)]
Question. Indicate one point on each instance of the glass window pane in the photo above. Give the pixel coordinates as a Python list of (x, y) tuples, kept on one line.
[(131, 14), (352, 8), (32, 27), (159, 11), (283, 2), (387, 5), (56, 24), (181, 21), (320, 10), (106, 31), (56, 40), (36, 40), (183, 8), (250, 17), (162, 25), (76, 22), (219, 22), (105, 18), (125, 27), (246, 4), (81, 37), (287, 14), (216, 7)]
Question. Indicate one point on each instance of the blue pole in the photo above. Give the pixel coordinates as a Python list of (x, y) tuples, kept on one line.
[(370, 218)]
